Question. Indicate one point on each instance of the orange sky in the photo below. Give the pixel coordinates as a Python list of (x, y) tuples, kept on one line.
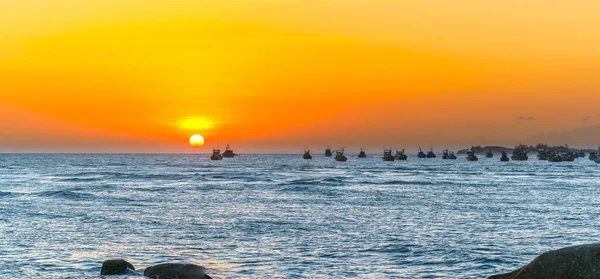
[(273, 75)]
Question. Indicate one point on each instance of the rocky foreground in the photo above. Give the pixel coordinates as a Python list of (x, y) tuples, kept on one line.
[(575, 262), (162, 271)]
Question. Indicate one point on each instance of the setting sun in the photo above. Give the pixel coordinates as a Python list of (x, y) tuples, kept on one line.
[(196, 141)]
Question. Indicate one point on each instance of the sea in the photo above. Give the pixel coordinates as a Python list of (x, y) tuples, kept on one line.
[(279, 216)]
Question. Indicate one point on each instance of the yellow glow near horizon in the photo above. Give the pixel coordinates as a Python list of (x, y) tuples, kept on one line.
[(196, 141), (196, 124)]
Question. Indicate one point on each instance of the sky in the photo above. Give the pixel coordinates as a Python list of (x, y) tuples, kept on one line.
[(282, 75)]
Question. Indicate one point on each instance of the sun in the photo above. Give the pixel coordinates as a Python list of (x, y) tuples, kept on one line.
[(196, 141)]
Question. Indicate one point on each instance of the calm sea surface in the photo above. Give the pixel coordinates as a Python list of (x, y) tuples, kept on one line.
[(278, 216)]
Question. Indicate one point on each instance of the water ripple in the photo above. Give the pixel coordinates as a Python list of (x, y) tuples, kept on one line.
[(265, 216)]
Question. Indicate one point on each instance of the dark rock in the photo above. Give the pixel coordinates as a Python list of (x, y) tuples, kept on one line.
[(575, 262), (176, 271), (115, 267)]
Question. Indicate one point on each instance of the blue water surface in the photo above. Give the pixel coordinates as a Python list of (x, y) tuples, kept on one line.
[(279, 216)]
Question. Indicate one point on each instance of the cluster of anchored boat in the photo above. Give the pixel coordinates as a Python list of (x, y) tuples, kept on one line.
[(519, 154), (556, 156)]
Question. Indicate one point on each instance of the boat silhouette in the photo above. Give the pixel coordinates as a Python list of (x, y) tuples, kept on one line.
[(307, 155), (421, 154), (567, 157), (451, 155), (519, 153), (573, 154), (471, 156), (430, 153), (339, 155), (593, 155), (400, 155), (504, 157), (216, 155), (543, 154), (362, 154), (489, 154), (328, 152), (555, 158), (228, 152), (387, 155)]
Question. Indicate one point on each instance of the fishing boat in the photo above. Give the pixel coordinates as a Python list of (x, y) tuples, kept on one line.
[(400, 155), (328, 152), (568, 157), (489, 154), (549, 154), (421, 154), (504, 157), (216, 155), (445, 154), (451, 155), (339, 155), (228, 152), (542, 154), (596, 155), (593, 156), (471, 156), (430, 154), (387, 155), (307, 155), (362, 154), (519, 153), (581, 154), (555, 158), (574, 154)]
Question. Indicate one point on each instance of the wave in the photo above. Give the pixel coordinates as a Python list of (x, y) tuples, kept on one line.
[(321, 181), (491, 261), (117, 164), (333, 181), (297, 188), (403, 182), (392, 248), (239, 177), (7, 194), (81, 176), (78, 179), (66, 194)]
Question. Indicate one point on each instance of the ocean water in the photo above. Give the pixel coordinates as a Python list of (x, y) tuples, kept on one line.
[(278, 216)]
